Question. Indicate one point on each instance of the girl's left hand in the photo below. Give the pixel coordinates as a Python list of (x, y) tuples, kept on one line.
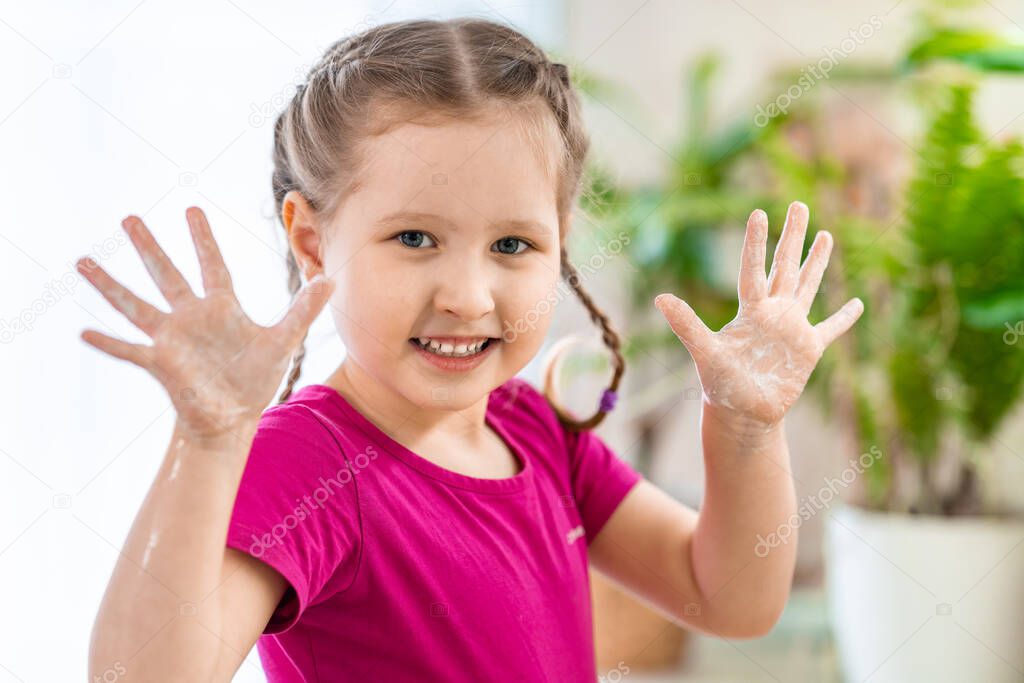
[(756, 366)]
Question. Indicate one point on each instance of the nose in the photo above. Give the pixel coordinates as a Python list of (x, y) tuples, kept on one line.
[(464, 289)]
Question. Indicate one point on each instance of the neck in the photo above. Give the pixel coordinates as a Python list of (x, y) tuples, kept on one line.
[(397, 413)]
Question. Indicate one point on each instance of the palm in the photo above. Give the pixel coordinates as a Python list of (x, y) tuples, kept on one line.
[(210, 344), (757, 365), (219, 368)]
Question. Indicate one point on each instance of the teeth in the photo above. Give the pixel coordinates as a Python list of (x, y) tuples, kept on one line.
[(453, 350)]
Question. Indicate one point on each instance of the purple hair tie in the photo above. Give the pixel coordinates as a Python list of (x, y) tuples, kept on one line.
[(608, 399)]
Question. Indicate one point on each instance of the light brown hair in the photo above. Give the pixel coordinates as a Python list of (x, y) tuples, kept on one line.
[(459, 67)]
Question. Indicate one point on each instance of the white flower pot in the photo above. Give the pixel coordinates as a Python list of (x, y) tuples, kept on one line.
[(924, 598)]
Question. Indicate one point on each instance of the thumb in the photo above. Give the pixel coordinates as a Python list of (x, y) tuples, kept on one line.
[(685, 323), (304, 310)]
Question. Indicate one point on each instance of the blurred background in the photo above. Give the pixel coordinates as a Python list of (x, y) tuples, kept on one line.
[(898, 122)]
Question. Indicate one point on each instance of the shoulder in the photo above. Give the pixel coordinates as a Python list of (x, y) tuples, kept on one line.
[(296, 457), (297, 440), (596, 477), (528, 414), (313, 412), (311, 405), (519, 398), (297, 504), (528, 403)]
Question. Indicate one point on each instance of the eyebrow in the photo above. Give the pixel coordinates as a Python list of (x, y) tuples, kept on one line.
[(405, 217)]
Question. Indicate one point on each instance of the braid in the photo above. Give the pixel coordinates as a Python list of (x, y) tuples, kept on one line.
[(611, 340), (294, 284), (293, 374)]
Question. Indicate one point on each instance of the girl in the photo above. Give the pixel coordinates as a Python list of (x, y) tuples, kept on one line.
[(423, 514)]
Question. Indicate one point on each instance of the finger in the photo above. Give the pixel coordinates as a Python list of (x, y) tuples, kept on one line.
[(211, 262), (839, 322), (686, 324), (753, 285), (813, 269), (134, 353), (143, 315), (786, 260), (304, 311), (166, 275)]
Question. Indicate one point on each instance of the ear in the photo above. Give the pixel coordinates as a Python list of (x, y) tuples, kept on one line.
[(303, 235)]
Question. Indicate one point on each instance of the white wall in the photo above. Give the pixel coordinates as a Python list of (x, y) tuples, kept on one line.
[(108, 109)]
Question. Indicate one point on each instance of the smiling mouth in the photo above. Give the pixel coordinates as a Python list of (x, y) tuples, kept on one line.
[(453, 350)]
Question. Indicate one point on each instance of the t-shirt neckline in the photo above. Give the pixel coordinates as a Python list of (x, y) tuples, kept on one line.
[(425, 466)]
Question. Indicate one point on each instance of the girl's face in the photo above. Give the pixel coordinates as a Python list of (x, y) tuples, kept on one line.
[(452, 232)]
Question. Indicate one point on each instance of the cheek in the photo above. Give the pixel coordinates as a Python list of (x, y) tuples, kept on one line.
[(372, 302), (528, 307)]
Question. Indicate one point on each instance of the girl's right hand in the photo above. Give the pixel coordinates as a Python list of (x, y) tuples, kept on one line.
[(219, 368)]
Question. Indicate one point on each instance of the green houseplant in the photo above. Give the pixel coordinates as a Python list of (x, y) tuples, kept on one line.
[(958, 291), (923, 582), (943, 298), (938, 256)]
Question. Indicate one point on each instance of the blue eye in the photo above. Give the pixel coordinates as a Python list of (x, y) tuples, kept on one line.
[(412, 232), (506, 240), (417, 241)]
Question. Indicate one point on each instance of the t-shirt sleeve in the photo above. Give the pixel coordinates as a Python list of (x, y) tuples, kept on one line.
[(600, 479), (297, 509)]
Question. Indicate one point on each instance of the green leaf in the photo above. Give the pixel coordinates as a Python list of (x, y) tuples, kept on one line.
[(993, 312), (977, 48)]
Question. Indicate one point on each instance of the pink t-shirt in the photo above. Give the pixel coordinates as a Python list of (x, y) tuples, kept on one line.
[(401, 570)]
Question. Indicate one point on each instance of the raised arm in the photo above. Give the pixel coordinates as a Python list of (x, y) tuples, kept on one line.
[(180, 605), (714, 571)]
